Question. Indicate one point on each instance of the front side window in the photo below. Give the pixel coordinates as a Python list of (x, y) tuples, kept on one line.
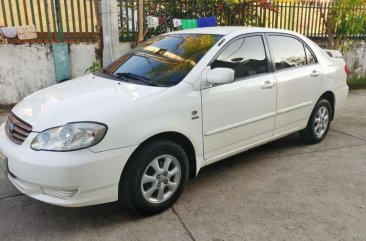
[(309, 57), (288, 52), (164, 60), (246, 56)]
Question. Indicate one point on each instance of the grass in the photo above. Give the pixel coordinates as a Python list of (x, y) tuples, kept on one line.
[(357, 83)]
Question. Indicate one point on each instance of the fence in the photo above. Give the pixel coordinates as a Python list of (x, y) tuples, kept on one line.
[(75, 20), (55, 20), (306, 17)]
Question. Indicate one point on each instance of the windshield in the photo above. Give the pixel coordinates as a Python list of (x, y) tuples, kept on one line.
[(162, 61)]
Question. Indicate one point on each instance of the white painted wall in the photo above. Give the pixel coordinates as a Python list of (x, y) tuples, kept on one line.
[(24, 69), (356, 59), (27, 68), (81, 57)]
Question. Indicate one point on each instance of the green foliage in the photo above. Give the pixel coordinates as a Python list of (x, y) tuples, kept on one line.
[(357, 83), (345, 22), (192, 46), (93, 68)]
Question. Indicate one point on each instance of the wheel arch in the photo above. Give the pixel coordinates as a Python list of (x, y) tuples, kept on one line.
[(329, 95), (176, 137)]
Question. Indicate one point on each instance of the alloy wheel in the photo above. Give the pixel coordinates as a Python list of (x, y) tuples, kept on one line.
[(161, 179), (321, 121)]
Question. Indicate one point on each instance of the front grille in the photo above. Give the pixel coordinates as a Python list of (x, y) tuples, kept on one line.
[(16, 129)]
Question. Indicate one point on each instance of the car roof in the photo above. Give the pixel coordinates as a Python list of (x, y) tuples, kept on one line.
[(224, 30)]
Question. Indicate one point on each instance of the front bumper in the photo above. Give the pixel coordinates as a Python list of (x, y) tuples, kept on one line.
[(72, 179)]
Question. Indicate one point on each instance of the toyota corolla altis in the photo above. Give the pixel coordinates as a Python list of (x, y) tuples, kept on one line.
[(137, 129)]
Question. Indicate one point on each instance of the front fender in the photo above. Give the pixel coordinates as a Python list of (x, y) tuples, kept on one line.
[(169, 111)]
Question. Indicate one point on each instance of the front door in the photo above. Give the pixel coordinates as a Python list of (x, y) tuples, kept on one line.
[(241, 113)]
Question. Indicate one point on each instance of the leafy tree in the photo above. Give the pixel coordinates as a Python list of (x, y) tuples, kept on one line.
[(345, 18)]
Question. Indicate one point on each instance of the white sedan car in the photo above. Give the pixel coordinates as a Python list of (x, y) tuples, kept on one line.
[(137, 130)]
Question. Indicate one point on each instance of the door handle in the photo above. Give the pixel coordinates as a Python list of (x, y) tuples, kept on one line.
[(315, 73), (268, 84)]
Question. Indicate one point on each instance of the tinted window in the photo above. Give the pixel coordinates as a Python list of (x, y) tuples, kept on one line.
[(309, 56), (288, 52), (246, 56), (164, 60)]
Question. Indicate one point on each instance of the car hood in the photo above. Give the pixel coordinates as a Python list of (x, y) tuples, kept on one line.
[(81, 99)]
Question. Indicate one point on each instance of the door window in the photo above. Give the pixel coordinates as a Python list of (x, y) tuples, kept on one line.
[(246, 56), (287, 52), (309, 57)]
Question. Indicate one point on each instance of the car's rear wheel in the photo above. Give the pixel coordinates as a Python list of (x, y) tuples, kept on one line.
[(155, 177), (319, 123)]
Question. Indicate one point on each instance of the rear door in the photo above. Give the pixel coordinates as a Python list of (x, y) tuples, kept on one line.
[(298, 78), (241, 113)]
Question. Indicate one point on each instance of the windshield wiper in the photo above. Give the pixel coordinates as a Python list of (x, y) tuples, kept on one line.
[(136, 77), (106, 72)]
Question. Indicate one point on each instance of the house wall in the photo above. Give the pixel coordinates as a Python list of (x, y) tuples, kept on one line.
[(356, 59), (24, 69), (27, 68)]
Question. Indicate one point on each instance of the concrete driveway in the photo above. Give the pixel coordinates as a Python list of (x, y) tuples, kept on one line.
[(281, 191)]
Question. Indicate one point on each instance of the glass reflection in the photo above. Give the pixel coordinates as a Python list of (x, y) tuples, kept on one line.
[(164, 60)]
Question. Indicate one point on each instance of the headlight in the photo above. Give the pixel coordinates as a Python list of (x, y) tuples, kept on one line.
[(70, 137)]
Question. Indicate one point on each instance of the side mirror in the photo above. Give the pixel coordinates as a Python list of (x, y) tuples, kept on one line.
[(221, 76)]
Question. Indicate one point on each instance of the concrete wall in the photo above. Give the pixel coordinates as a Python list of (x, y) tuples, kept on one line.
[(81, 57), (356, 59), (25, 69)]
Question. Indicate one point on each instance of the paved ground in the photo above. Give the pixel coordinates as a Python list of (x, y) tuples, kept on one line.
[(282, 191)]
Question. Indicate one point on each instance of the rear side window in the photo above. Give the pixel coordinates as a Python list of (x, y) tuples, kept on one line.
[(246, 56), (288, 52)]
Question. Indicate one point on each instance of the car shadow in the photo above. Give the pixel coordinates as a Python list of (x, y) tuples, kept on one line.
[(271, 149)]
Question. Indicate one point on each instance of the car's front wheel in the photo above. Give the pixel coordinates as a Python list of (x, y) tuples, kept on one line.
[(155, 176), (319, 123)]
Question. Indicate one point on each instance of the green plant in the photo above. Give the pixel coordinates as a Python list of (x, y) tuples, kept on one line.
[(93, 68), (343, 21), (357, 83)]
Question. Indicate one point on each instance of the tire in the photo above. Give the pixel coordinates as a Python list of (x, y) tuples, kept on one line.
[(319, 123), (148, 190)]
